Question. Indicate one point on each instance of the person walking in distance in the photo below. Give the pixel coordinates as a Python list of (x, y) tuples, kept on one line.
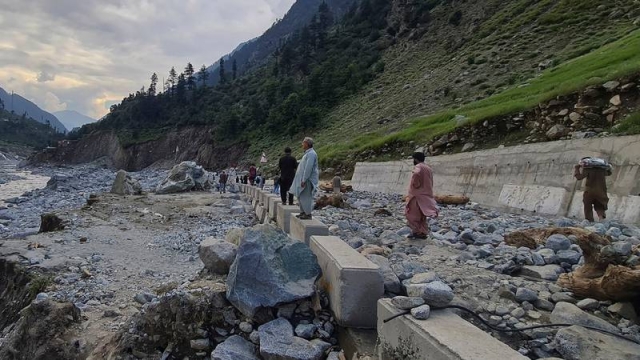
[(421, 203), (287, 165), (595, 190), (252, 174), (305, 183), (223, 182), (276, 184)]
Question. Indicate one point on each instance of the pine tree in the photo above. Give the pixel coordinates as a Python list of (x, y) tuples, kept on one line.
[(180, 87), (234, 69), (222, 75), (153, 85), (203, 74), (190, 79), (173, 77)]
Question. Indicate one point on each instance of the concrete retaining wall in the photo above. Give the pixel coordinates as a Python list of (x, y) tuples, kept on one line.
[(534, 177)]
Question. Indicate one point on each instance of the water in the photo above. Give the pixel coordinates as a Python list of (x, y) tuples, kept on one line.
[(15, 187)]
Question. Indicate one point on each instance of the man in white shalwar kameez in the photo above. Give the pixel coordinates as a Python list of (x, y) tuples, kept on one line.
[(305, 183)]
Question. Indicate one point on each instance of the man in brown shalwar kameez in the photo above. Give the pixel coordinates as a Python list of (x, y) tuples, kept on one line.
[(421, 203), (595, 190)]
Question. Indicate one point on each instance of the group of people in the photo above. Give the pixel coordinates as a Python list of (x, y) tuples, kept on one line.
[(301, 180)]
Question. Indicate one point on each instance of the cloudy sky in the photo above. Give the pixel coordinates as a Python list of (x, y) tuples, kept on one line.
[(85, 55)]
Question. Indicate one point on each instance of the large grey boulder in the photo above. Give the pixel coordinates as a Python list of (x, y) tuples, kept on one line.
[(566, 313), (185, 176), (578, 343), (277, 342), (235, 348), (270, 269), (437, 294), (217, 255), (125, 185)]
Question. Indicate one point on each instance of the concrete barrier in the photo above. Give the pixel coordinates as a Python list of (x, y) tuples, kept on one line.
[(532, 178), (273, 207), (353, 282), (303, 230), (261, 213), (443, 336), (284, 213)]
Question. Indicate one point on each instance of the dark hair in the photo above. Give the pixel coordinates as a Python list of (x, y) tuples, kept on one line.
[(419, 156), (287, 150)]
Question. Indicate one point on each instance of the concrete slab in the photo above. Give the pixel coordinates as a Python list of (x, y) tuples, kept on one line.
[(284, 216), (273, 206), (303, 230), (534, 198), (444, 336), (354, 283)]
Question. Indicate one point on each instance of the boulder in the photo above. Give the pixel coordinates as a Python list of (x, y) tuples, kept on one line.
[(437, 294), (277, 342), (217, 255), (235, 348), (270, 269), (234, 236), (185, 176), (566, 313), (578, 343), (556, 132), (468, 147), (611, 85), (125, 185), (547, 272), (557, 242)]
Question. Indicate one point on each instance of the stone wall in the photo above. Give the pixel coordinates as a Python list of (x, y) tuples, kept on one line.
[(534, 177)]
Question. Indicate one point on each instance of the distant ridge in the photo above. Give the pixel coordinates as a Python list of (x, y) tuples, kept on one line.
[(20, 105)]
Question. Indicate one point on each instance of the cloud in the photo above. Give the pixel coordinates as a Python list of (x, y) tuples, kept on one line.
[(44, 76), (52, 103), (91, 53)]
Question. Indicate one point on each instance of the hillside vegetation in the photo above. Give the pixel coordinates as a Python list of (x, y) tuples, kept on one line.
[(392, 72), (21, 130)]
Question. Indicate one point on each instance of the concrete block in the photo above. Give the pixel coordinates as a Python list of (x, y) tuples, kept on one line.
[(358, 341), (261, 213), (353, 282), (303, 230), (444, 336), (273, 206), (284, 216)]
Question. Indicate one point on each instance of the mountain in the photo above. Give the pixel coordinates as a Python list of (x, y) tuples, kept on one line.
[(386, 77), (22, 130), (256, 52), (20, 105), (73, 119)]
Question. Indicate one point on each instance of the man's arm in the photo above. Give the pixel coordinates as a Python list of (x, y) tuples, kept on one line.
[(416, 181), (309, 161), (578, 174)]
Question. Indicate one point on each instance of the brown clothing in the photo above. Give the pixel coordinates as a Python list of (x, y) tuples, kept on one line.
[(421, 203), (595, 191)]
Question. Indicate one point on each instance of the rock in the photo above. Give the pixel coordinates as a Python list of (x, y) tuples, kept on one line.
[(566, 313), (235, 348), (518, 313), (217, 255), (563, 297), (558, 242), (421, 312), (524, 294), (237, 210), (306, 331), (578, 343), (624, 309), (200, 344), (143, 298), (588, 304), (50, 222), (556, 132), (391, 281), (407, 303), (125, 185), (548, 255), (611, 85), (234, 236), (246, 327), (569, 256), (270, 269), (575, 117), (185, 176), (277, 342), (468, 147), (546, 272), (437, 294), (424, 278), (544, 305)]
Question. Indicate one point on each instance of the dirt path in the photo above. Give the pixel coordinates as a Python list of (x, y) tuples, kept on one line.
[(121, 247)]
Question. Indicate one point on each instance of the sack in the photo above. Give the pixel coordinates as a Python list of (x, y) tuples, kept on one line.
[(593, 162)]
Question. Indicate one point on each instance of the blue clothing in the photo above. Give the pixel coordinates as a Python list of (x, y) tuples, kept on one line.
[(308, 172)]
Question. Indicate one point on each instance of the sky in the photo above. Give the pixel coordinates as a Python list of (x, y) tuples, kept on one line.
[(86, 55)]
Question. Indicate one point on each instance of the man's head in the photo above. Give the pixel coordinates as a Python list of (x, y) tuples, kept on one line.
[(307, 143), (418, 158), (287, 150)]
